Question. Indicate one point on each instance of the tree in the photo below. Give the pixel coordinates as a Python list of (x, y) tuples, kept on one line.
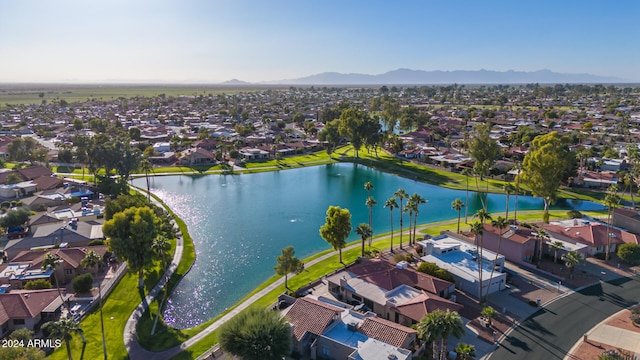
[(546, 165), (82, 283), (484, 150), (336, 228), (78, 124), (465, 351), (457, 205), (131, 234), (571, 259), (64, 329), (364, 230), (51, 261), (612, 201), (147, 167), (488, 313), (466, 172), (629, 253), (500, 223), (477, 228), (401, 194), (555, 246), (21, 352), (371, 202), (256, 334), (541, 236), (288, 263), (37, 284), (391, 204), (15, 217), (439, 325), (417, 200), (91, 260), (508, 189)]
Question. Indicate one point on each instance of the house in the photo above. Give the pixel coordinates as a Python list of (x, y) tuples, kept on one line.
[(323, 330), (197, 156), (592, 179), (27, 309), (253, 154), (627, 219), (397, 294), (463, 261), (588, 237), (518, 243)]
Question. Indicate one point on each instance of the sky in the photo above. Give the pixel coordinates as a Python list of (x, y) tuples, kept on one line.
[(210, 41)]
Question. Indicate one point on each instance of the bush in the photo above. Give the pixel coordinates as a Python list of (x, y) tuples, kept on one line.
[(435, 271), (629, 253), (37, 284), (398, 257), (600, 256), (82, 283), (95, 242), (41, 207), (635, 316), (5, 204), (574, 214)]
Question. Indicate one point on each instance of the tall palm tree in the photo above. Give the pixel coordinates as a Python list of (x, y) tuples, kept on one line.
[(483, 216), (457, 205), (91, 260), (571, 259), (477, 228), (368, 186), (611, 200), (364, 230), (160, 246), (466, 172), (541, 236), (391, 204), (439, 325), (147, 167), (51, 261), (371, 202), (500, 223), (401, 194), (518, 168), (417, 199), (555, 246), (465, 351), (409, 207), (64, 329), (508, 189)]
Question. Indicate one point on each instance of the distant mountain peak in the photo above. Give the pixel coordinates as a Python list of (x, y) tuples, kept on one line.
[(235, 82), (404, 76)]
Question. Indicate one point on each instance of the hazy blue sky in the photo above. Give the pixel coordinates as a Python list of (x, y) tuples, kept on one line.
[(217, 40)]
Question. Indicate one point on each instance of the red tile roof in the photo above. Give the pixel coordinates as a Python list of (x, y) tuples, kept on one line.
[(593, 235), (25, 304), (424, 304), (308, 315), (387, 331)]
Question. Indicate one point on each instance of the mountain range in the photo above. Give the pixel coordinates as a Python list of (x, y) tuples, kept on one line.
[(422, 77)]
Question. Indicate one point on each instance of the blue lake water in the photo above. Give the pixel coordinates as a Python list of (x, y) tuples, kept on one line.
[(240, 223)]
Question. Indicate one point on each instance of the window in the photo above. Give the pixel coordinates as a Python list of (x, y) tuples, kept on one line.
[(68, 271), (325, 351), (356, 297), (368, 303)]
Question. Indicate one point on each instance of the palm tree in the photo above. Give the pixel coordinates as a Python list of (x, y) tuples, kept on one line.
[(483, 216), (457, 205), (368, 186), (555, 246), (160, 246), (400, 194), (508, 189), (477, 228), (439, 325), (147, 167), (465, 351), (488, 313), (541, 236), (64, 329), (91, 260), (466, 172), (364, 230), (571, 259), (500, 223), (417, 200), (518, 167), (409, 207), (51, 261), (371, 202), (391, 204), (611, 200)]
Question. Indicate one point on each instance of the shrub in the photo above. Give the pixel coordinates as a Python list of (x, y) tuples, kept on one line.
[(5, 204), (37, 284), (41, 207), (95, 242), (82, 283), (629, 253), (435, 271), (398, 257), (574, 214), (600, 256)]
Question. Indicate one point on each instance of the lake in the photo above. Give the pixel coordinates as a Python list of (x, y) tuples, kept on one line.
[(240, 223)]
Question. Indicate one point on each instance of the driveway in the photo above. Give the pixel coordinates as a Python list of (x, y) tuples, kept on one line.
[(552, 331)]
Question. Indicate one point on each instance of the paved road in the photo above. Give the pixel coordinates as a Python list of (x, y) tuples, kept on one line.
[(551, 332)]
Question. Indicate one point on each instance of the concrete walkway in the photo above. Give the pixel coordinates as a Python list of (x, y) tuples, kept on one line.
[(617, 337)]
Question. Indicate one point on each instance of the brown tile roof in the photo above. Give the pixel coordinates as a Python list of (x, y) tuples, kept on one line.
[(387, 331), (34, 172), (25, 304), (311, 315), (387, 276), (424, 304), (71, 256), (47, 182)]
